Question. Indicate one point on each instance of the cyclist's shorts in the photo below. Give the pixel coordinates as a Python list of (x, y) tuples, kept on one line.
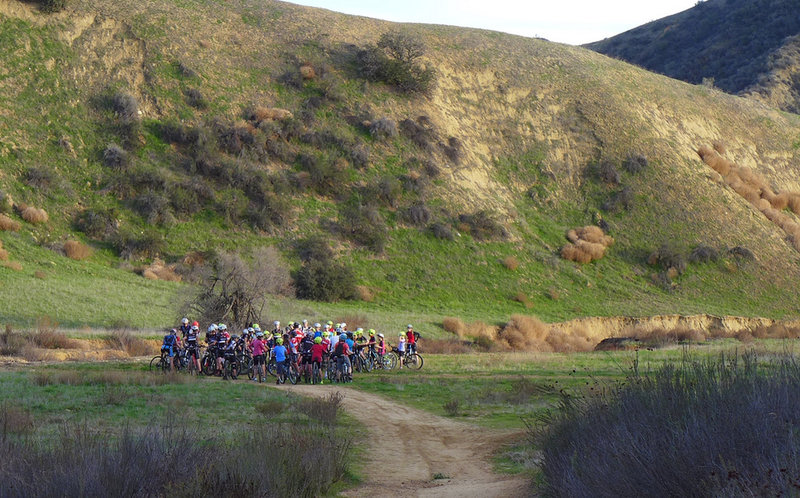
[(258, 360), (169, 350)]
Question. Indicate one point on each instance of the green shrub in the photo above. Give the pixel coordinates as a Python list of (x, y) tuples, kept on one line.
[(668, 257), (40, 178), (97, 223), (115, 156), (394, 60), (149, 243), (483, 226), (314, 248), (364, 225), (325, 280)]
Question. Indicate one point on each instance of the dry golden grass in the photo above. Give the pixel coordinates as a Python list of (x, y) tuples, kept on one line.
[(194, 259), (793, 202), (40, 274), (34, 215), (77, 250), (3, 255), (448, 346), (511, 262), (124, 340), (7, 224)]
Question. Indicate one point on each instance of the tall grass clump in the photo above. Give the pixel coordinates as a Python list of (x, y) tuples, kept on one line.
[(719, 427), (168, 460)]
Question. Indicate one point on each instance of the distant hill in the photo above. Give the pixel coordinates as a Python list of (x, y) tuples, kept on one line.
[(745, 47), (173, 130)]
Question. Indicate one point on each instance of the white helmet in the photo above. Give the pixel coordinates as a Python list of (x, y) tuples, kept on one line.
[(276, 323), (212, 327), (185, 321)]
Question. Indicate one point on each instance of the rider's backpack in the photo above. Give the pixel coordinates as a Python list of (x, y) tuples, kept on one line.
[(169, 340)]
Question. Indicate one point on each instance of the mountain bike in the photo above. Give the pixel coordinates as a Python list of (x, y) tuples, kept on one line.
[(316, 373)]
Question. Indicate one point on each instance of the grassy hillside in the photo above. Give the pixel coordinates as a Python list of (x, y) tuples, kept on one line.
[(158, 130), (739, 46)]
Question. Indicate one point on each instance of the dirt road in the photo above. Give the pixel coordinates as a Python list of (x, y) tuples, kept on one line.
[(407, 447)]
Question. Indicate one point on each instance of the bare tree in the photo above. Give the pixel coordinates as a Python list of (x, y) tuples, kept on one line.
[(235, 289)]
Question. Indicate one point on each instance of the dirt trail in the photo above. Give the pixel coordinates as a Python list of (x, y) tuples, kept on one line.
[(408, 446)]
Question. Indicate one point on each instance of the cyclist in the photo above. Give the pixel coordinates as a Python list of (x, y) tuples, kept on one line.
[(342, 354), (351, 344), (306, 345), (401, 345), (306, 328), (191, 346), (317, 330), (169, 346), (222, 343), (229, 353), (334, 340), (185, 327), (276, 328), (280, 353), (318, 351), (411, 339), (258, 348), (381, 347)]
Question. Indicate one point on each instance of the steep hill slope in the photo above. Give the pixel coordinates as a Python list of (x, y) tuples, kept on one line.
[(741, 46), (169, 128)]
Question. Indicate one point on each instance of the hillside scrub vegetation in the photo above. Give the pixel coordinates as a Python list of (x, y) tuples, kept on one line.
[(586, 244), (688, 429)]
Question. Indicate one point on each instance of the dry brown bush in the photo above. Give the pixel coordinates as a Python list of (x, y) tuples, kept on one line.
[(779, 201), (763, 204), (571, 252), (307, 72), (525, 333), (750, 177), (7, 224), (511, 262), (454, 325), (485, 335), (364, 293), (553, 294), (575, 340), (572, 235), (793, 202), (522, 298), (594, 234), (40, 274), (124, 340), (13, 265), (720, 147), (34, 215), (77, 250), (719, 164), (3, 255), (705, 152), (260, 114), (158, 270), (448, 346), (745, 336), (194, 259), (660, 336)]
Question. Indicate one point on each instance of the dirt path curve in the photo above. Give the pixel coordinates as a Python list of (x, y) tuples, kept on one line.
[(408, 446)]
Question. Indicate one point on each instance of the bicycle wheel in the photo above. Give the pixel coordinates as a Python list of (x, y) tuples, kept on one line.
[(155, 364), (414, 361), (233, 369), (292, 374), (316, 378), (272, 367), (389, 361), (209, 365), (367, 363), (165, 364)]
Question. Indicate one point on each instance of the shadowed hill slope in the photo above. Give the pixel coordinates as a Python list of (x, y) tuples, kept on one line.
[(741, 46), (426, 195)]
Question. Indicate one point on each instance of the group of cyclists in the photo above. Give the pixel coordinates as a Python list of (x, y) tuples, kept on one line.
[(298, 350)]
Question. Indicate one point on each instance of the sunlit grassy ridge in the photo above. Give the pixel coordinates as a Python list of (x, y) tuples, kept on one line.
[(533, 119)]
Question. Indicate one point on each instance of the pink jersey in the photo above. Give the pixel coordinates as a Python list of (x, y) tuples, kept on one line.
[(258, 347)]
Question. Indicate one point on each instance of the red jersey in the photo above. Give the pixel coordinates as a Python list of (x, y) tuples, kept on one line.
[(317, 350), (410, 337)]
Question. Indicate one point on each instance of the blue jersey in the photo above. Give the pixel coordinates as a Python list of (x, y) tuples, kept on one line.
[(280, 353)]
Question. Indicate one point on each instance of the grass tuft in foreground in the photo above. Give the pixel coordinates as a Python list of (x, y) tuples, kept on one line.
[(717, 427)]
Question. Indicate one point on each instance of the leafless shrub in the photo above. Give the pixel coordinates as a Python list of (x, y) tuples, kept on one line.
[(158, 270), (383, 128), (115, 156), (40, 178), (236, 288), (703, 254), (743, 253), (34, 215), (195, 98), (307, 72), (442, 231), (46, 336), (454, 150), (635, 163), (77, 250), (606, 171)]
